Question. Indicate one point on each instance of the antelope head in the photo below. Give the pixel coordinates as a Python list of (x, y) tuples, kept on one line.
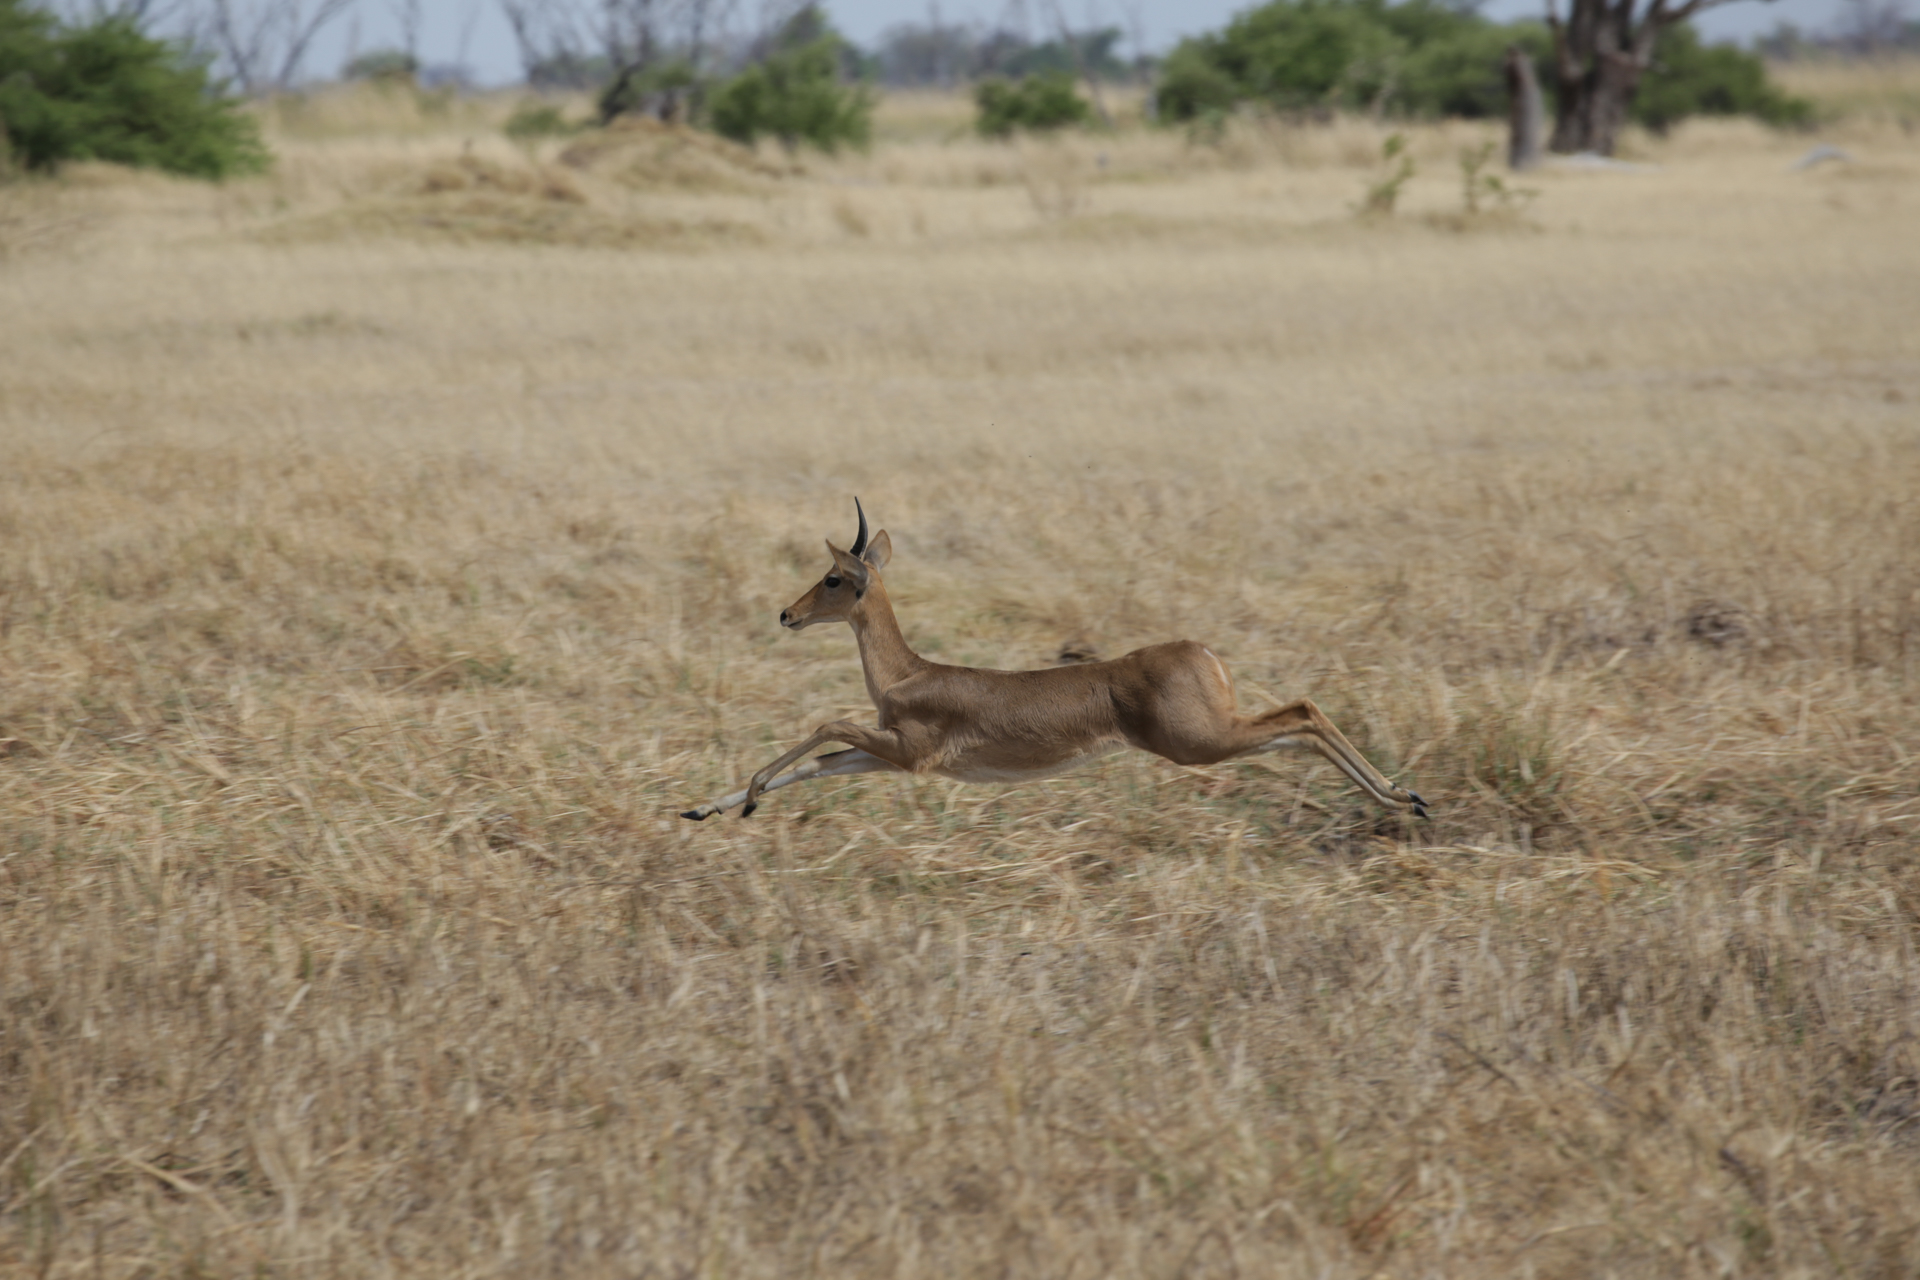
[(836, 597)]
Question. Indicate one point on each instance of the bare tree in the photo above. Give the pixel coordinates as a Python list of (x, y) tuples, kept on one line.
[(643, 55), (921, 53), (629, 34), (554, 37), (1076, 48), (1873, 26), (144, 14), (263, 42), (1600, 52), (466, 37), (699, 14), (406, 13), (1137, 37), (655, 49)]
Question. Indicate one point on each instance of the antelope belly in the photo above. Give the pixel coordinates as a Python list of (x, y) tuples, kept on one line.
[(979, 770)]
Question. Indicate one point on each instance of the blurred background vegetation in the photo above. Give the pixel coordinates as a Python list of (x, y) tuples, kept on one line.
[(102, 90), (102, 85)]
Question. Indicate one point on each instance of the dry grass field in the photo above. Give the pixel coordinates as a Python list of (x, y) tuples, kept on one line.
[(389, 547), (1883, 90)]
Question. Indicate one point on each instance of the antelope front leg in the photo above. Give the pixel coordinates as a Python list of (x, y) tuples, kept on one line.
[(841, 764), (879, 743), (880, 746)]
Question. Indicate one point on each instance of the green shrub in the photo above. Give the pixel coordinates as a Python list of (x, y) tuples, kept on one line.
[(384, 66), (1290, 55), (26, 55), (532, 121), (1396, 169), (1035, 103), (104, 91), (795, 95), (1691, 79), (1194, 86), (671, 81), (1422, 58), (1460, 74), (1481, 191)]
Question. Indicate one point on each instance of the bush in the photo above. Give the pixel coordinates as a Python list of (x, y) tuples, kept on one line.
[(795, 95), (532, 121), (661, 89), (1421, 58), (1290, 55), (104, 91), (383, 66), (1036, 103), (1416, 58), (1460, 74), (26, 53), (1691, 79)]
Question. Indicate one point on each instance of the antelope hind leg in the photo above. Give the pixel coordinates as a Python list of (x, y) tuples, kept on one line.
[(1305, 725)]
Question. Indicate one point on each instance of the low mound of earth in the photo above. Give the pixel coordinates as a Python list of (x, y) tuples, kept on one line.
[(474, 198), (644, 153)]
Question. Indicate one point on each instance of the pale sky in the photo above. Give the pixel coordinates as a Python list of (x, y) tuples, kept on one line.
[(489, 48)]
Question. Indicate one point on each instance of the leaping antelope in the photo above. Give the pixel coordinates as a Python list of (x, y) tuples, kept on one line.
[(973, 725)]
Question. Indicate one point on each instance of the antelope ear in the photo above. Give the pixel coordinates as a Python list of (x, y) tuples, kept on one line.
[(851, 567), (879, 550)]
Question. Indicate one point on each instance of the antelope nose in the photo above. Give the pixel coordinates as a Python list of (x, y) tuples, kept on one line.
[(786, 617)]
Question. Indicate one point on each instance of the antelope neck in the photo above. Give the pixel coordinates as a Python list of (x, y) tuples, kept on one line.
[(884, 654)]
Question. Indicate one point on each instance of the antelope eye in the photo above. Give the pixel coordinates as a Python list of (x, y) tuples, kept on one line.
[(833, 580)]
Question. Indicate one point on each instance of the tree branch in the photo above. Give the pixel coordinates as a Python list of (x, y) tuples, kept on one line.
[(1080, 62), (1692, 7), (301, 35)]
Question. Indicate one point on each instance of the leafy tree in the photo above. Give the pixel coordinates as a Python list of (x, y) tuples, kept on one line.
[(26, 58), (1194, 85), (1688, 78), (796, 93), (1460, 73), (1289, 54), (1609, 54), (1427, 58), (1036, 103), (104, 91), (662, 88)]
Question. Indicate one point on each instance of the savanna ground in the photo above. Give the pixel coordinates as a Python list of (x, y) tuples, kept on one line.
[(389, 547)]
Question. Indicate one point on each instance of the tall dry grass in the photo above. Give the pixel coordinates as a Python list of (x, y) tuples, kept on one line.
[(373, 592), (1862, 91)]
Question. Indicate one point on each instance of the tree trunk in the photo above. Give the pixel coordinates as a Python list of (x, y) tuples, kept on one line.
[(1599, 54), (1526, 118), (1592, 106)]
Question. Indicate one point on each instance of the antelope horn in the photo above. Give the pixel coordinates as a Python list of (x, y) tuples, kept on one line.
[(860, 543)]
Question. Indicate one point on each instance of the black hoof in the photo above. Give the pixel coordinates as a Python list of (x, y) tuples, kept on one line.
[(746, 811), (694, 815), (1419, 805)]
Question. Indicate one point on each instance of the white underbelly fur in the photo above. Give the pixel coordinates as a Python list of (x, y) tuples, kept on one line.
[(985, 773)]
